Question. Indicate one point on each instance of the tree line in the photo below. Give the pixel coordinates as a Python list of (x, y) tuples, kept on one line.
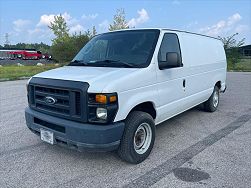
[(65, 45), (231, 46), (45, 48)]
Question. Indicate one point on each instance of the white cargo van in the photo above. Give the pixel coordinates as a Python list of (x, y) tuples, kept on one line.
[(123, 83)]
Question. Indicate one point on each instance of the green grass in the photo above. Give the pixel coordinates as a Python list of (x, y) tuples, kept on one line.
[(14, 72), (244, 65)]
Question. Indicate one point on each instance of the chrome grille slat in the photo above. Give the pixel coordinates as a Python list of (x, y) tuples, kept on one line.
[(50, 109), (54, 105), (66, 104), (41, 92), (52, 94)]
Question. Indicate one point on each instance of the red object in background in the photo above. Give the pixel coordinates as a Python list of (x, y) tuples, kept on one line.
[(27, 55)]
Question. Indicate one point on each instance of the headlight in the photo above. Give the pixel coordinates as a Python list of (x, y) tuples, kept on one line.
[(101, 113), (102, 108)]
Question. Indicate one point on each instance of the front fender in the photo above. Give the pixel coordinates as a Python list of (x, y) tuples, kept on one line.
[(129, 99)]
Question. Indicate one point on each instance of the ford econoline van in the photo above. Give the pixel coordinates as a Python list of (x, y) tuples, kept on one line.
[(121, 85)]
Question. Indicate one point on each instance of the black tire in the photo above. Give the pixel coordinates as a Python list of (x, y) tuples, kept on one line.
[(133, 122), (211, 105)]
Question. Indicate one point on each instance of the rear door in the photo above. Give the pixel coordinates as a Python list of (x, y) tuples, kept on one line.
[(171, 81)]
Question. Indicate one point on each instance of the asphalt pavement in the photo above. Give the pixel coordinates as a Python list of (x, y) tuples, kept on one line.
[(193, 149)]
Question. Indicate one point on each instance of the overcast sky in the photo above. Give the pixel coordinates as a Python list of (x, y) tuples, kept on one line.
[(27, 20)]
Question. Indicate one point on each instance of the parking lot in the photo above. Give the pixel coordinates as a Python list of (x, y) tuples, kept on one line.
[(193, 149)]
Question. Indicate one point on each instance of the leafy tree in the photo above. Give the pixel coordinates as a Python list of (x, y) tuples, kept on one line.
[(231, 42), (59, 27), (88, 33), (65, 46), (119, 21), (44, 48), (64, 50), (231, 46), (94, 31)]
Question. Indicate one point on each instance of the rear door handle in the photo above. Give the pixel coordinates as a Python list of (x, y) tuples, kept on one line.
[(184, 83)]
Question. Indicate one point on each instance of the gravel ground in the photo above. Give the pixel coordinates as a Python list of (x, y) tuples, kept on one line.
[(193, 149)]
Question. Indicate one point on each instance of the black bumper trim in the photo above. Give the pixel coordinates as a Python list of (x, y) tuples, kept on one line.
[(79, 136)]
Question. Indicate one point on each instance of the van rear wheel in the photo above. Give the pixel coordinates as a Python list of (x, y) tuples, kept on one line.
[(138, 138), (212, 103)]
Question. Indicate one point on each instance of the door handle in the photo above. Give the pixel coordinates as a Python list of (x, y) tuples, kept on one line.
[(184, 83)]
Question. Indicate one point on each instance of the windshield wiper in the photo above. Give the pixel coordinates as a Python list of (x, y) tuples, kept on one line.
[(77, 63), (107, 61)]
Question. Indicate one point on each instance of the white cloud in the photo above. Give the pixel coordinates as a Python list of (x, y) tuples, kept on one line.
[(20, 24), (104, 25), (222, 26), (89, 16), (233, 19), (67, 17), (76, 29), (45, 20), (142, 18)]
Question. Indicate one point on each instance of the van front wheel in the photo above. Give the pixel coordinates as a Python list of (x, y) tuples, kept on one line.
[(212, 103), (138, 138)]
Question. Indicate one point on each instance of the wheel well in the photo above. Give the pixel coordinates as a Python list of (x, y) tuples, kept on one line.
[(146, 107), (218, 84)]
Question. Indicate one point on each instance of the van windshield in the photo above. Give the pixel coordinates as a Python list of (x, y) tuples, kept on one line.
[(131, 49)]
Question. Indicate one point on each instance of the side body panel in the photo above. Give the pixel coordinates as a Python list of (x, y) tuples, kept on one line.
[(204, 64)]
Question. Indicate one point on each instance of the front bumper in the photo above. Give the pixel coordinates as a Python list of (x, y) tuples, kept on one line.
[(76, 135)]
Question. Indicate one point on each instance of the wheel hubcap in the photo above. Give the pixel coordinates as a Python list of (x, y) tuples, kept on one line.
[(216, 99), (142, 138)]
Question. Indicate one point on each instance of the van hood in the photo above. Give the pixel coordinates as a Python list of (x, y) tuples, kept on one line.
[(97, 77)]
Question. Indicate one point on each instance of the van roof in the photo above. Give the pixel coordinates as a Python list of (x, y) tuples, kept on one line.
[(166, 29)]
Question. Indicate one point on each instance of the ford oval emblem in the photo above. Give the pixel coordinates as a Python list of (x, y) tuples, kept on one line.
[(50, 100)]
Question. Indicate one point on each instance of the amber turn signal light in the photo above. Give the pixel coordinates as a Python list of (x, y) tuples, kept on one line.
[(113, 98), (101, 99)]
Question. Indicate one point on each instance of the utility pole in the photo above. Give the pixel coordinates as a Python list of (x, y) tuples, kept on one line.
[(7, 42)]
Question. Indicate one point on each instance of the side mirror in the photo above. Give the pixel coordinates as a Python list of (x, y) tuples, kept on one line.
[(172, 60)]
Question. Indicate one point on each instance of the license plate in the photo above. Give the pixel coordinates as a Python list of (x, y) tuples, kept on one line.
[(47, 136)]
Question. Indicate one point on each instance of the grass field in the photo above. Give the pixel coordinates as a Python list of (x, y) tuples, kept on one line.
[(244, 66), (14, 72)]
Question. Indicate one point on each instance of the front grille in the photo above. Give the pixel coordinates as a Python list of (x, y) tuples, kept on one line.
[(52, 109), (78, 104), (62, 98), (66, 102)]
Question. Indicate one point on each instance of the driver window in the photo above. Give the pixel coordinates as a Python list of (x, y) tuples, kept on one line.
[(170, 43)]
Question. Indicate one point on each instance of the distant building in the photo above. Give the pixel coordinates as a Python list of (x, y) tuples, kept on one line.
[(245, 51)]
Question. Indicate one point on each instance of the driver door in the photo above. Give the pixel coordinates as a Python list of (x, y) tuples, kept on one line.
[(171, 80)]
